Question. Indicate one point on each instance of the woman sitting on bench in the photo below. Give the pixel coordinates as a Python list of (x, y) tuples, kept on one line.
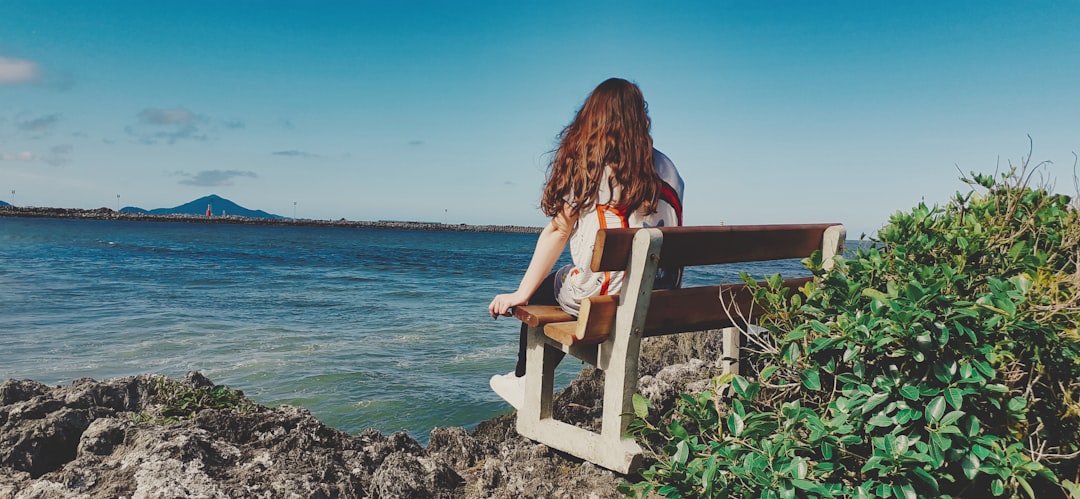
[(604, 174)]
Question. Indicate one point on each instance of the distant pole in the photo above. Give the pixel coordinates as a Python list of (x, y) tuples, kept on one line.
[(117, 203), (13, 197), (294, 210), (445, 216)]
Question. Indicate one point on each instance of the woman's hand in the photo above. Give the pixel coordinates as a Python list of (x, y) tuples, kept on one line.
[(549, 246), (502, 304)]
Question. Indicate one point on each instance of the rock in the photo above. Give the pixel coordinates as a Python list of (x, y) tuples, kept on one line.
[(456, 447), (112, 439), (404, 475)]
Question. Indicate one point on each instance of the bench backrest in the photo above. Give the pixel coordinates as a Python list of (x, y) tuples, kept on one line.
[(711, 245), (697, 308)]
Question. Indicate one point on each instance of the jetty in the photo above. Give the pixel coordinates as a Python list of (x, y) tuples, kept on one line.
[(110, 214)]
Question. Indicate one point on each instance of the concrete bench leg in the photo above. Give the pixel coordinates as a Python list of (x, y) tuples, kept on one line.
[(539, 379), (617, 357), (731, 343), (608, 448)]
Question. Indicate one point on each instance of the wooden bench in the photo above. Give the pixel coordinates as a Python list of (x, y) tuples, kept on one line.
[(608, 331)]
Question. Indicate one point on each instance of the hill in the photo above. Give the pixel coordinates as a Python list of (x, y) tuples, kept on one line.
[(218, 205), (2, 203)]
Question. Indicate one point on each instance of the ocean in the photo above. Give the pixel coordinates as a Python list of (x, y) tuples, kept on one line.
[(366, 328)]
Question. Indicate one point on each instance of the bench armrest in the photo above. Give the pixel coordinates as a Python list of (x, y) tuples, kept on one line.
[(538, 315)]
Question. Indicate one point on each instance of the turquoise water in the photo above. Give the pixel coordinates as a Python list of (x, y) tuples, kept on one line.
[(366, 328)]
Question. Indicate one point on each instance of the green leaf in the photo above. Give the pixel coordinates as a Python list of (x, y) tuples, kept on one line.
[(641, 406), (667, 490), (787, 491), (874, 401), (984, 368), (940, 442), (795, 335), (1025, 485), (875, 295), (736, 424), (1072, 488), (707, 477), (874, 463), (1017, 404), (811, 379), (952, 417), (881, 420), (905, 490), (955, 397), (740, 385), (935, 409), (792, 353), (970, 465), (676, 429), (799, 467), (926, 478), (909, 392), (937, 458), (682, 451)]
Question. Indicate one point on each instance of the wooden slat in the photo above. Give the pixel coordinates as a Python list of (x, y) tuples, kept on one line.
[(595, 328), (536, 315), (562, 332), (590, 328), (670, 311), (689, 246), (707, 307)]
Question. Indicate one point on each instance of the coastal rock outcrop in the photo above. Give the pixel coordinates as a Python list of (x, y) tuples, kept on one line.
[(127, 438)]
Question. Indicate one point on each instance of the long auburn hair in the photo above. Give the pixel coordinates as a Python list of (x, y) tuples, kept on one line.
[(610, 129)]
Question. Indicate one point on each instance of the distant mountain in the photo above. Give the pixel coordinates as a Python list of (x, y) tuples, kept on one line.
[(4, 204), (217, 204)]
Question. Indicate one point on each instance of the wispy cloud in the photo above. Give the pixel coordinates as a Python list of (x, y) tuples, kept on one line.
[(13, 71), (416, 143), (59, 155), (56, 156), (213, 178), (158, 116), (37, 127), (296, 153), (168, 125), (17, 156)]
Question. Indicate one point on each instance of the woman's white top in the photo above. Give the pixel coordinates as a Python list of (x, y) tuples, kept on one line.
[(576, 282)]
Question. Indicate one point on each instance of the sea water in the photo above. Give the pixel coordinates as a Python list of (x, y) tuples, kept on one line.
[(366, 328)]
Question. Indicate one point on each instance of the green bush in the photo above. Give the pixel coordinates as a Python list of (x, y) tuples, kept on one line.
[(943, 360)]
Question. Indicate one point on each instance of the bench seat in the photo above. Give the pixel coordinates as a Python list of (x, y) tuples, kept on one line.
[(672, 311)]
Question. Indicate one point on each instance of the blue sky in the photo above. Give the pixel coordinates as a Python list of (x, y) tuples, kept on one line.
[(774, 112)]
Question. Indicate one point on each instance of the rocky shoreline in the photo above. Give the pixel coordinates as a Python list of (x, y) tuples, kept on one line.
[(98, 439), (110, 214)]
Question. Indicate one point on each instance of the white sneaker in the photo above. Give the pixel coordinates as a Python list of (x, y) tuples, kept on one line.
[(511, 388)]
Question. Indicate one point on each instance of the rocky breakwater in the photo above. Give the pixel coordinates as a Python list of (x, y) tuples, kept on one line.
[(109, 214), (152, 437)]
